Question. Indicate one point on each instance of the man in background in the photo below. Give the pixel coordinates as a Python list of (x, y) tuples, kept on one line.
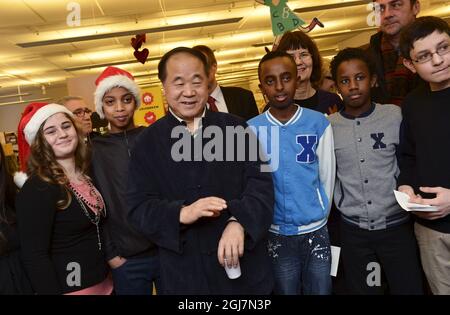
[(394, 80), (81, 112), (233, 100)]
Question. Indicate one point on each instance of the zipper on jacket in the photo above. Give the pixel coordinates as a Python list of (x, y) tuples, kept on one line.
[(320, 198), (342, 195), (128, 144)]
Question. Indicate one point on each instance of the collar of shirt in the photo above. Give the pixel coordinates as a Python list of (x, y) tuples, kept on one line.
[(220, 101), (292, 120), (366, 114), (197, 121)]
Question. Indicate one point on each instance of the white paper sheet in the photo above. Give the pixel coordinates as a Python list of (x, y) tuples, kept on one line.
[(403, 199), (335, 252)]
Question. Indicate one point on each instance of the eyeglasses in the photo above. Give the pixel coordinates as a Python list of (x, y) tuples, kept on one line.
[(80, 112), (427, 56), (303, 55)]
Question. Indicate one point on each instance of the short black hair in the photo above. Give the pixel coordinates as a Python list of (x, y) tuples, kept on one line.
[(420, 28), (351, 54), (162, 65), (299, 39), (272, 55)]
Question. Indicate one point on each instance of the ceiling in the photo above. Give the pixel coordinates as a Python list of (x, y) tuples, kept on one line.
[(39, 47)]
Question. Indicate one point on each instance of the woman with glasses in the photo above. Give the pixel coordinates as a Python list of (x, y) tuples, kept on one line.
[(309, 68)]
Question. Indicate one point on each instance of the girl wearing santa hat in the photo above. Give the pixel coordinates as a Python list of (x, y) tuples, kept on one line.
[(59, 211)]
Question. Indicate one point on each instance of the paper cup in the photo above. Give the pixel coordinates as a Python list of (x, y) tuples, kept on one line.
[(233, 273)]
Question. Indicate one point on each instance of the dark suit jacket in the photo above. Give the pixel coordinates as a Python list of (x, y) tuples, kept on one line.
[(240, 102)]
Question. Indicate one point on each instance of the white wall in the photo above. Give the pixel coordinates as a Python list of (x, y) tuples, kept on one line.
[(83, 86)]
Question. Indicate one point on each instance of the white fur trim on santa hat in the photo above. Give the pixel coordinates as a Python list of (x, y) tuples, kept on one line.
[(20, 178), (39, 117), (113, 81)]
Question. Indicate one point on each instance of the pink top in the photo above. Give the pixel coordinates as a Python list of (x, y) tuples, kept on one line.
[(106, 286), (103, 288), (85, 190)]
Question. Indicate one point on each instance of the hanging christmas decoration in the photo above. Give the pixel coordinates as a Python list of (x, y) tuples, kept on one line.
[(284, 19), (136, 43)]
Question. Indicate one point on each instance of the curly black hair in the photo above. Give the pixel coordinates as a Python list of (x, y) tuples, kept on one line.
[(272, 55), (350, 54)]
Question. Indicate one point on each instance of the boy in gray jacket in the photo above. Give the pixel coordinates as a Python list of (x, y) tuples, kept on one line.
[(376, 233)]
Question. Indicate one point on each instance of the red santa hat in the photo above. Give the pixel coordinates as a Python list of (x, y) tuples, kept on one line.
[(110, 78), (34, 115)]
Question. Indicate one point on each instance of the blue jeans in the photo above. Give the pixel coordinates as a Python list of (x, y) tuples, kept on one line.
[(301, 263), (136, 276)]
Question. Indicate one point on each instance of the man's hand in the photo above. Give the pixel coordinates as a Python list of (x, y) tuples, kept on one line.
[(204, 207), (441, 201), (116, 262), (231, 244)]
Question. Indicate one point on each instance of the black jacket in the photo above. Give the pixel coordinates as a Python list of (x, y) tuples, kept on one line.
[(425, 153), (240, 102), (380, 92), (13, 279), (159, 186), (110, 158)]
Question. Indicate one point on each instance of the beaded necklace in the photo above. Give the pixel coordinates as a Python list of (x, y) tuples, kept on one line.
[(98, 208)]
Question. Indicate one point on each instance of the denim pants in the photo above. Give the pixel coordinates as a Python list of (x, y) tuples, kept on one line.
[(301, 263), (136, 276)]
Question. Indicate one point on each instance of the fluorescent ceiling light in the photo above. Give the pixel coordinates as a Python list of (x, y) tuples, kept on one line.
[(243, 61), (329, 51), (15, 95), (127, 33), (332, 6), (325, 35), (145, 75), (222, 73), (101, 65), (26, 101)]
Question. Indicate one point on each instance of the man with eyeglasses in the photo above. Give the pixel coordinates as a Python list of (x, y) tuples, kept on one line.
[(394, 80), (81, 112), (425, 150)]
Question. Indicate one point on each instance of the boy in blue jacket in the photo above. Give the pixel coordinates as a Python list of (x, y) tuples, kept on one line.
[(303, 180)]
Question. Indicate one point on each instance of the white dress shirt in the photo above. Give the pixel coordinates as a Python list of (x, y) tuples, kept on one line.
[(220, 101)]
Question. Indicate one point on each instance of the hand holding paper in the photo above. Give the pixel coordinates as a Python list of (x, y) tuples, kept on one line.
[(403, 201), (441, 202)]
